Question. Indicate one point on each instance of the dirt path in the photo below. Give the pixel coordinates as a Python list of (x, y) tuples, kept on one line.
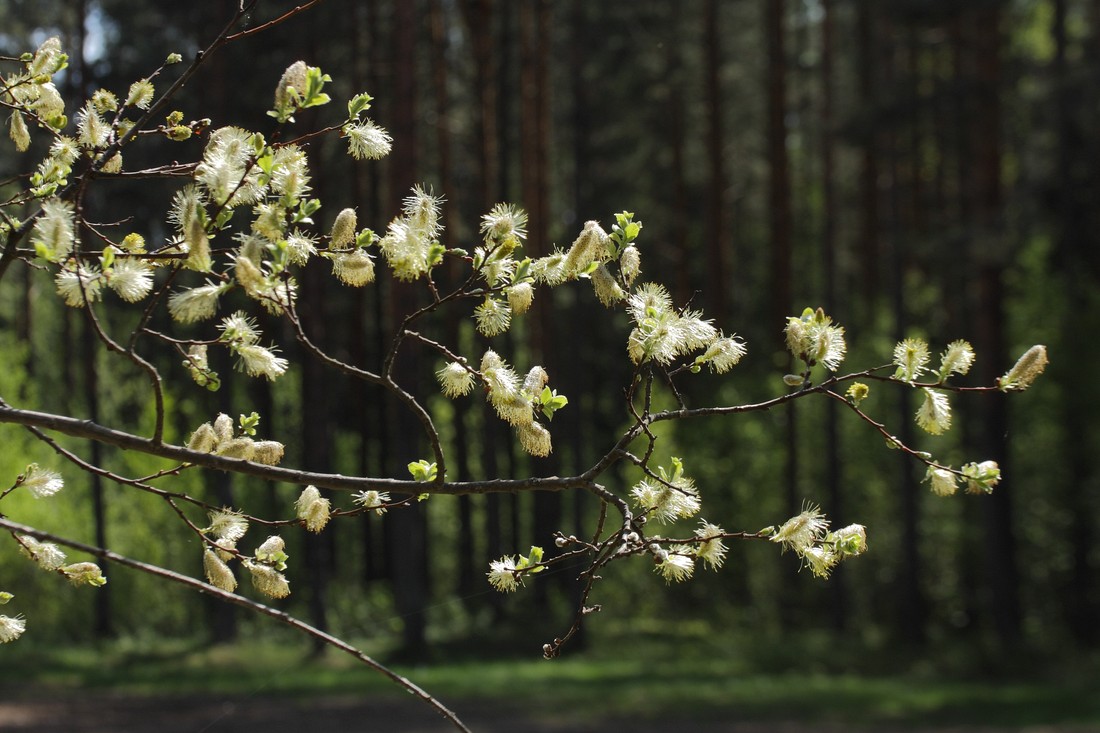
[(124, 714)]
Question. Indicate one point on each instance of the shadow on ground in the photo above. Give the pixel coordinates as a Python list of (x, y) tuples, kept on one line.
[(80, 713)]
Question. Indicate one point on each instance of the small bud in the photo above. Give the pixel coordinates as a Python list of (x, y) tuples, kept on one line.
[(792, 380), (1027, 368), (267, 452), (19, 133), (291, 85), (343, 229), (981, 477), (84, 573), (630, 264), (943, 481), (857, 393), (179, 133), (223, 428), (520, 298), (313, 509), (203, 439), (268, 580), (240, 448), (851, 540), (217, 572)]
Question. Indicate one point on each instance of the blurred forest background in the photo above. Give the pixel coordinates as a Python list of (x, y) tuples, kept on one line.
[(916, 167)]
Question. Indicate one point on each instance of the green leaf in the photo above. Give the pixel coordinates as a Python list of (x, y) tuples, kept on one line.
[(534, 558), (359, 103), (523, 270), (550, 402), (316, 100), (364, 238), (248, 423), (223, 218), (423, 471)]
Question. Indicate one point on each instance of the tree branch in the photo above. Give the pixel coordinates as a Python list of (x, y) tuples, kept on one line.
[(281, 616), (92, 431)]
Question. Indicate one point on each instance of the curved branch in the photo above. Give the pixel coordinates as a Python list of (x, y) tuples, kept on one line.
[(237, 600), (127, 441)]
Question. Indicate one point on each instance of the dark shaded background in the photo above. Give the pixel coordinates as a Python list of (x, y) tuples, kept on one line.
[(917, 168)]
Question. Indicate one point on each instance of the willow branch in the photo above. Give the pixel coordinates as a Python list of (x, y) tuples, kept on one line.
[(237, 600), (89, 430)]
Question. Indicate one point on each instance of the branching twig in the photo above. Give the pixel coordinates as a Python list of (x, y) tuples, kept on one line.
[(237, 600)]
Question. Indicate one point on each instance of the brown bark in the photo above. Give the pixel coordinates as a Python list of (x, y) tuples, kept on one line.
[(407, 529), (1077, 241), (867, 242), (717, 234), (990, 338), (779, 183), (833, 476), (479, 23)]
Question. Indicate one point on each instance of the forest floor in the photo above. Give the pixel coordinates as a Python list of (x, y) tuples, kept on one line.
[(132, 686), (85, 712)]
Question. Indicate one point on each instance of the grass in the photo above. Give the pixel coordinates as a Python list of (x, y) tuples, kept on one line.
[(628, 676)]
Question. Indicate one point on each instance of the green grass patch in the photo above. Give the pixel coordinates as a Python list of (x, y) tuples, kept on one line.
[(620, 677)]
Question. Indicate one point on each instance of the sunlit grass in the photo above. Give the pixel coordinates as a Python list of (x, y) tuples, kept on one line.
[(618, 677)]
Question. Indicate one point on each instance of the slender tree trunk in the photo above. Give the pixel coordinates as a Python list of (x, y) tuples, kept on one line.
[(779, 182), (1076, 240), (717, 281), (408, 528), (479, 23), (779, 218), (316, 439), (680, 254), (1001, 568), (103, 620), (867, 246), (467, 563), (833, 476)]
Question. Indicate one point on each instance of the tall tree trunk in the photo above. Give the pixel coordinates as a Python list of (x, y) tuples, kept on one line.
[(717, 274), (103, 620), (680, 254), (467, 562), (479, 22), (1077, 238), (833, 477), (366, 342), (867, 243), (535, 183), (408, 528), (912, 611), (316, 438), (779, 219), (1001, 568), (779, 181)]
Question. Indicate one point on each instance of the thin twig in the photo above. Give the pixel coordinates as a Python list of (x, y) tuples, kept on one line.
[(237, 600)]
